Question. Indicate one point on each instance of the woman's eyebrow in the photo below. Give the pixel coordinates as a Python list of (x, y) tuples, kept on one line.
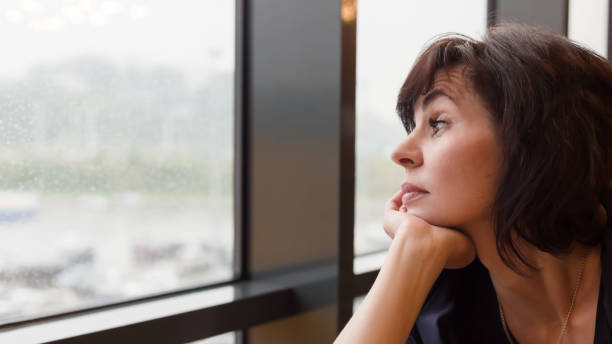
[(433, 94)]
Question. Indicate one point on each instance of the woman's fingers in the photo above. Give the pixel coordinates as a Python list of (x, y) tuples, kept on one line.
[(393, 216), (456, 244), (395, 202)]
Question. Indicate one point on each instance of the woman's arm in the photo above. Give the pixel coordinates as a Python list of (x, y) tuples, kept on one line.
[(389, 310), (418, 254)]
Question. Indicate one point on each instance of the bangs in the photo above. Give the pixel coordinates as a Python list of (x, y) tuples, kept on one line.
[(445, 52)]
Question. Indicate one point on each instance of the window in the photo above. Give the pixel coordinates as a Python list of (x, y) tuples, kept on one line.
[(389, 39), (588, 25), (116, 151), (226, 338)]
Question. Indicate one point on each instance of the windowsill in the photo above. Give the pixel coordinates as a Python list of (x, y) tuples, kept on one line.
[(211, 310), (369, 262)]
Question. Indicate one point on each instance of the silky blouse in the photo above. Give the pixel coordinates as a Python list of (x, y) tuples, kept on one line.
[(462, 306)]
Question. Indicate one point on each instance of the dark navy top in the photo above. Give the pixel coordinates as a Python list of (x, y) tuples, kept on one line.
[(462, 306)]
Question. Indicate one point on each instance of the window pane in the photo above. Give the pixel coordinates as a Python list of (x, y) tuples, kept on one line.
[(357, 302), (588, 24), (389, 39), (116, 150), (226, 338)]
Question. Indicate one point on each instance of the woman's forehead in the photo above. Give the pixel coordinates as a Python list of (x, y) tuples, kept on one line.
[(450, 82)]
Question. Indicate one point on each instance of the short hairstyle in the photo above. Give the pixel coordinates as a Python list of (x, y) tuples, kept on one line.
[(551, 102)]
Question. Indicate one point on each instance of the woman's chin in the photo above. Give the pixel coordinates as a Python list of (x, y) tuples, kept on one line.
[(435, 220)]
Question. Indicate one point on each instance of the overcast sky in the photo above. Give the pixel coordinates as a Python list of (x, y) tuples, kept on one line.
[(196, 36)]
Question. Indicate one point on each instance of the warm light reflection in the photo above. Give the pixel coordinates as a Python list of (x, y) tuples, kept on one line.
[(348, 10)]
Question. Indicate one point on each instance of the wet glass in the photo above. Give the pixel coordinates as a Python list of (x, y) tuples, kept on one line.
[(116, 151)]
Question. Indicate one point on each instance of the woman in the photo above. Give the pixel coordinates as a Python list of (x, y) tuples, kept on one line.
[(499, 232)]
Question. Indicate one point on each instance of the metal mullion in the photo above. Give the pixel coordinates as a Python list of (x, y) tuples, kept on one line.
[(241, 152), (241, 141), (565, 18), (491, 12), (347, 162), (290, 105)]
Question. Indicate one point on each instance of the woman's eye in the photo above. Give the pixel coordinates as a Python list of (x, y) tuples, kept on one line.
[(436, 124)]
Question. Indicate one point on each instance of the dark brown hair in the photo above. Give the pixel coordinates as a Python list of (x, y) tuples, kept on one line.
[(551, 101)]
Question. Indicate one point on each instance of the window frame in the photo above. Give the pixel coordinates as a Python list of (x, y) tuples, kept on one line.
[(259, 297)]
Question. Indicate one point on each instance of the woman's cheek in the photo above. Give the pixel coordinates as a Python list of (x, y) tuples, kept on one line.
[(455, 192)]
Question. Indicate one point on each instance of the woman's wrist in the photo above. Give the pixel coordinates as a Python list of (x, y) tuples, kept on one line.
[(420, 249), (449, 247)]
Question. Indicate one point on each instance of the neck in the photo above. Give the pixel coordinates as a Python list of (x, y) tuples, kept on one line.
[(539, 302)]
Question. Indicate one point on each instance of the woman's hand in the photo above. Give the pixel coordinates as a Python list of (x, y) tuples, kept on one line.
[(456, 246), (418, 254)]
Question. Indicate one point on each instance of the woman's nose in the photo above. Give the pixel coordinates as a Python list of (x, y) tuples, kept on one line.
[(406, 154)]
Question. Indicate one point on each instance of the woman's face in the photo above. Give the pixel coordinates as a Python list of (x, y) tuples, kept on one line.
[(453, 153)]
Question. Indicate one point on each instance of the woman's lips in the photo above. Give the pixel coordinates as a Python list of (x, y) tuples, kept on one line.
[(407, 187), (411, 193), (411, 196)]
